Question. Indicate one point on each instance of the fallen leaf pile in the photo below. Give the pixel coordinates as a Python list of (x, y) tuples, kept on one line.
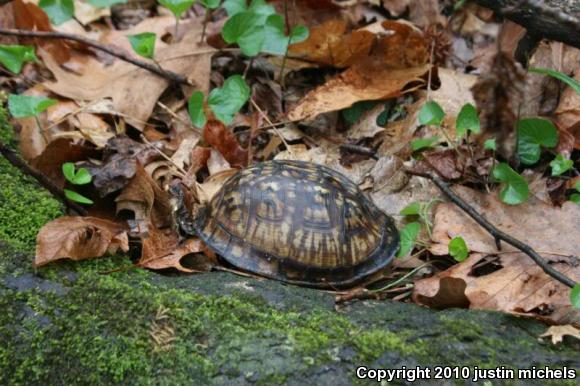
[(350, 95)]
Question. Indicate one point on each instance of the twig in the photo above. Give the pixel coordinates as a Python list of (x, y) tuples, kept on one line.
[(111, 50), (273, 126), (496, 233), (42, 179), (165, 156)]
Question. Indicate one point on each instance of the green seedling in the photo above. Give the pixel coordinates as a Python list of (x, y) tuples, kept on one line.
[(533, 134), (76, 177), (14, 56), (515, 189), (458, 249), (58, 11)]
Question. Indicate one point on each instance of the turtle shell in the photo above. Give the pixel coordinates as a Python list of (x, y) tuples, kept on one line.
[(300, 223)]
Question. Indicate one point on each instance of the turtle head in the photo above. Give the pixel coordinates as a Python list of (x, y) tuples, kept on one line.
[(184, 209)]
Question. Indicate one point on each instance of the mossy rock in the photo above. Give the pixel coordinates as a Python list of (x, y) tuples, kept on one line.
[(74, 324)]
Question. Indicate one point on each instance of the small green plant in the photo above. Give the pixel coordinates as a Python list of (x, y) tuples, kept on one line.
[(515, 189), (14, 56), (575, 296), (558, 75), (177, 8), (58, 11), (76, 177), (353, 113), (143, 44), (258, 28), (105, 3), (458, 249), (422, 210), (467, 121), (431, 114), (533, 134), (424, 143), (575, 197), (23, 106), (490, 144), (561, 165), (408, 237), (223, 101)]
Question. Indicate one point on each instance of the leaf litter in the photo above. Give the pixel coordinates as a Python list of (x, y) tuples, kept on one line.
[(131, 130)]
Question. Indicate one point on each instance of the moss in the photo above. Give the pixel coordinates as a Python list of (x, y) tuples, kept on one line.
[(23, 207)]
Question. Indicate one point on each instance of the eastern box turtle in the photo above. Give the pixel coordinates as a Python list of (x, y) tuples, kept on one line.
[(297, 222)]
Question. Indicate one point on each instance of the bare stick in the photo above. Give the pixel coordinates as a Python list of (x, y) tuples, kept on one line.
[(42, 179), (111, 50), (496, 233)]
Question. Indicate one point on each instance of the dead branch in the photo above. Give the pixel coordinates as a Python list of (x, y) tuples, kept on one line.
[(552, 19), (43, 180), (111, 50), (495, 232)]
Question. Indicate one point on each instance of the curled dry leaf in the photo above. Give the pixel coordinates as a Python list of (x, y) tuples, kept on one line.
[(356, 84), (557, 333), (224, 141), (79, 238), (516, 284)]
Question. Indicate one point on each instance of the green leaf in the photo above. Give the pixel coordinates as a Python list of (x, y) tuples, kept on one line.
[(532, 134), (68, 169), (561, 165), (247, 30), (233, 7), (210, 4), (105, 3), (177, 7), (575, 296), (226, 101), (74, 196), (558, 75), (354, 112), (490, 144), (58, 11), (423, 143), (276, 41), (431, 114), (515, 189), (408, 236), (143, 44), (195, 109), (22, 106), (458, 249), (467, 120), (82, 177), (575, 197), (14, 56), (412, 209), (577, 186)]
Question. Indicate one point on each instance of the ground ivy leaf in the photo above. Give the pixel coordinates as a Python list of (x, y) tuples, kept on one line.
[(233, 7), (431, 114), (490, 144), (558, 75), (276, 42), (14, 56), (74, 196), (575, 197), (58, 11), (458, 249), (561, 165), (354, 112), (177, 7), (247, 30), (68, 170), (22, 106), (195, 109), (105, 3), (408, 236), (413, 208), (423, 143), (515, 189), (143, 44), (262, 8), (226, 101), (467, 119), (82, 177), (532, 134), (210, 4), (575, 296)]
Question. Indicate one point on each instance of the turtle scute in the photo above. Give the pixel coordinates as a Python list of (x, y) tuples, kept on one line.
[(298, 222)]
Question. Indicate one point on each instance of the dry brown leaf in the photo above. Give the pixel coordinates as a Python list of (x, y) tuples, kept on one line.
[(223, 140), (519, 287), (568, 111), (544, 227), (557, 333), (79, 238), (516, 284), (204, 192), (216, 163), (182, 156), (366, 126), (163, 257), (123, 82), (356, 84)]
